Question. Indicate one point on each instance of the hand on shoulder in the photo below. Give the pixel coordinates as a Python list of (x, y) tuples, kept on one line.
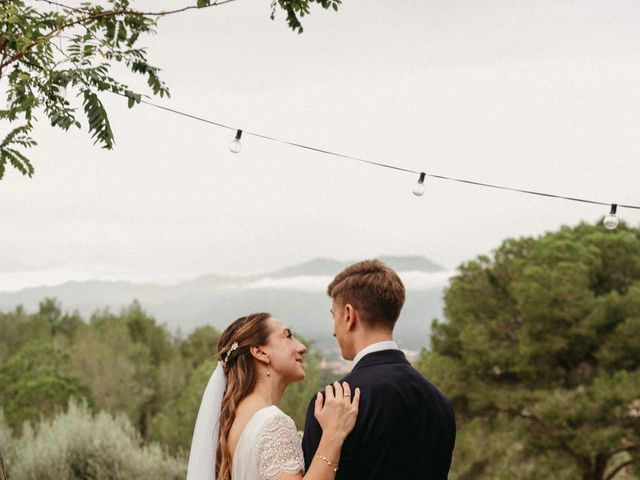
[(337, 411)]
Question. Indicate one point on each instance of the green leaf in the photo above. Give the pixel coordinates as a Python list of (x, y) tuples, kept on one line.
[(18, 160), (99, 125)]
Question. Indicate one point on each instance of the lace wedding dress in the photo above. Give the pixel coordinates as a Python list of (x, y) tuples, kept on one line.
[(268, 446)]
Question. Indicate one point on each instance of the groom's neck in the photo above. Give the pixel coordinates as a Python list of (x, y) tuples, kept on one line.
[(369, 337)]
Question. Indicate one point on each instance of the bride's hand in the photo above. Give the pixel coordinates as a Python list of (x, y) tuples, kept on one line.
[(337, 416)]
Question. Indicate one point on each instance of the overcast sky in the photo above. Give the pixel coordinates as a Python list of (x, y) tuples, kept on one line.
[(539, 95)]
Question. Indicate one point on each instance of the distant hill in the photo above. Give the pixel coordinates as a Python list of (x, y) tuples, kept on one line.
[(217, 300)]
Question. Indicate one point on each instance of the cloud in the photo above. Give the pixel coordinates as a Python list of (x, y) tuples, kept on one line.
[(305, 282), (312, 283)]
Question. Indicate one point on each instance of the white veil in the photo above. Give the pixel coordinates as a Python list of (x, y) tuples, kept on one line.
[(204, 445)]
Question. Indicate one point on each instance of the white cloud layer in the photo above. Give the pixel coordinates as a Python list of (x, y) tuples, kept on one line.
[(411, 280)]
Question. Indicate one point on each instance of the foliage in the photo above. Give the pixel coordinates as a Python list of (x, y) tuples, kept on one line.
[(540, 356), (78, 445), (123, 363), (117, 370), (48, 325), (201, 345), (32, 384), (173, 425), (49, 49), (299, 8)]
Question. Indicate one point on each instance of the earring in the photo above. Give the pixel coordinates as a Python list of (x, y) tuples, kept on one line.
[(268, 372)]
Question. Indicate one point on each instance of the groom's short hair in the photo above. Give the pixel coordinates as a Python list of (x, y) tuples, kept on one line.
[(373, 288)]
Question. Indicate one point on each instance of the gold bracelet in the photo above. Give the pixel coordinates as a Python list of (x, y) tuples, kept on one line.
[(328, 462)]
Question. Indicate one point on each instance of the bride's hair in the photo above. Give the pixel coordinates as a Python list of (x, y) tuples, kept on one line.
[(233, 350)]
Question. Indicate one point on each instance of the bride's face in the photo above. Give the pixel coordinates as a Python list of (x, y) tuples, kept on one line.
[(285, 352)]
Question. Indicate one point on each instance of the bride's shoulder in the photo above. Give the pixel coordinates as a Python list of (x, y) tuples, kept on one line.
[(276, 419), (279, 447), (274, 411)]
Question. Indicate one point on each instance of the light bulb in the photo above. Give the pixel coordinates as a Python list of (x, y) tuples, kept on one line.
[(236, 146), (610, 222), (419, 188)]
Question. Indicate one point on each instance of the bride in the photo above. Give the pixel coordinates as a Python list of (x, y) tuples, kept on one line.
[(240, 433)]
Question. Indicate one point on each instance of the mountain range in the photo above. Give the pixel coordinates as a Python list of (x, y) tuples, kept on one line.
[(296, 294)]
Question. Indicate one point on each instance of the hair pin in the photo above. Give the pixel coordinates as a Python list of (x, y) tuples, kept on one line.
[(234, 347)]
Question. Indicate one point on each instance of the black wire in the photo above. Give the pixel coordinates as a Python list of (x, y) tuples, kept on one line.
[(385, 165)]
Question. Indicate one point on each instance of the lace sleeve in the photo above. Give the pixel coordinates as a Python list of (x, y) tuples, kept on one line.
[(279, 449)]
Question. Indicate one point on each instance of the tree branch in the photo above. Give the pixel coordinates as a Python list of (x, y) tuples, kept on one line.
[(147, 14), (633, 446), (3, 474), (58, 4), (97, 16), (539, 421), (618, 468), (3, 45)]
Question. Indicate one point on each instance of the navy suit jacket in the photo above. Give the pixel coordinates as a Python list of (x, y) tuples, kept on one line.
[(405, 428)]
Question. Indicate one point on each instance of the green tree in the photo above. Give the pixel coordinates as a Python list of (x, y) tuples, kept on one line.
[(144, 329), (118, 371), (200, 345), (33, 384), (539, 355), (63, 326), (48, 46), (19, 328), (173, 425), (48, 325), (132, 364)]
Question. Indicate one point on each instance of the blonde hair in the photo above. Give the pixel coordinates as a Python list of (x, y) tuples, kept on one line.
[(241, 376)]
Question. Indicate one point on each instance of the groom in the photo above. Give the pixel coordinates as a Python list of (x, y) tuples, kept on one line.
[(406, 426)]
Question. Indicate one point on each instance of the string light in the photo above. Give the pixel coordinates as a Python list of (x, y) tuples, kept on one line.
[(419, 188), (236, 146), (610, 222)]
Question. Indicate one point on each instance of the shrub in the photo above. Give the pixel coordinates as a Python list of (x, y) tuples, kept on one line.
[(79, 445)]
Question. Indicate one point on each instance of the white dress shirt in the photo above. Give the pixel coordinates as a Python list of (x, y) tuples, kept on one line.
[(375, 347)]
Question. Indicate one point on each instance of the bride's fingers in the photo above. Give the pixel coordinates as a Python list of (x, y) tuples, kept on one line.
[(328, 392), (338, 389), (356, 399), (347, 391), (319, 399)]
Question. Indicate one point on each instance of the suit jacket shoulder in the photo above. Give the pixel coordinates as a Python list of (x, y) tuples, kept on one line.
[(405, 425)]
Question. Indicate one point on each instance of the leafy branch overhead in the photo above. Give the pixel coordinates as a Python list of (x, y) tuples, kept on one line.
[(51, 51)]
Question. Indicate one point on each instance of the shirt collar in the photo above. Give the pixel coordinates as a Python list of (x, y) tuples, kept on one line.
[(375, 347)]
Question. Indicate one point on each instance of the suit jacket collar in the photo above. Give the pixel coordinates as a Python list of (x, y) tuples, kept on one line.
[(381, 358)]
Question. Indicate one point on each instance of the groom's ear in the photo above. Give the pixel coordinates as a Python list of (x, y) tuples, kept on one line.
[(350, 316), (258, 353)]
